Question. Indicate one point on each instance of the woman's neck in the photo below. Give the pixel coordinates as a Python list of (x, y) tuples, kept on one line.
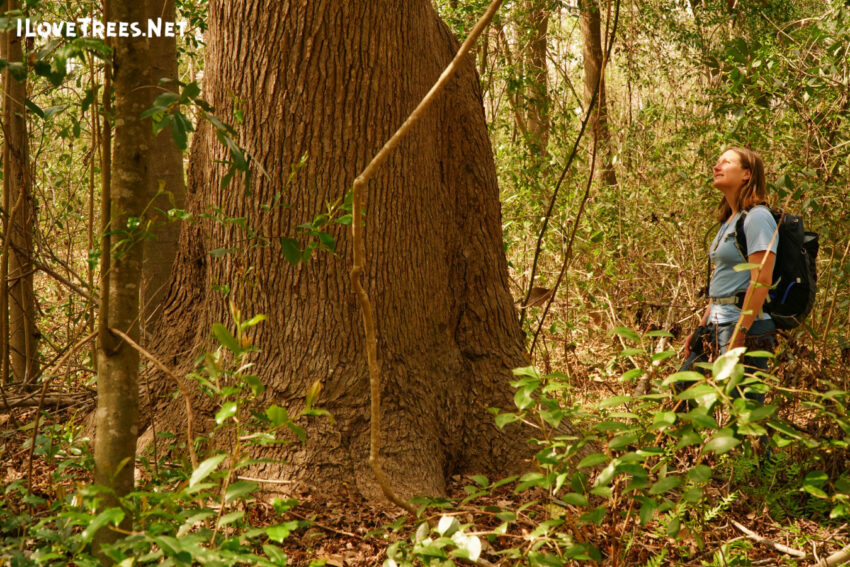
[(732, 201)]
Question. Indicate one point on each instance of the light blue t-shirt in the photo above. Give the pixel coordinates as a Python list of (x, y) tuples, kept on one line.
[(759, 226)]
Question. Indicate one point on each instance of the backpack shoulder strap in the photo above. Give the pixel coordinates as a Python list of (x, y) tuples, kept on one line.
[(741, 236)]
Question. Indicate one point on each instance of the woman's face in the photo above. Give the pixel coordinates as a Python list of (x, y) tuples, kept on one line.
[(728, 173)]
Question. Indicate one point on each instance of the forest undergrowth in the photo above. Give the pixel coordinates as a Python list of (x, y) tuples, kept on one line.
[(706, 477)]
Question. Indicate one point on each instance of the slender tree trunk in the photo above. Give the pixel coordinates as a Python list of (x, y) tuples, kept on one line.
[(91, 220), (332, 80), (117, 386), (538, 76), (592, 51), (7, 204), (23, 335), (165, 175)]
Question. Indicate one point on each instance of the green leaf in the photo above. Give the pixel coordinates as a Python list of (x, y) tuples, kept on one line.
[(595, 516), (180, 125), (529, 480), (480, 480), (164, 100), (275, 555), (745, 267), (219, 252), (692, 495), (632, 374), (205, 468), (575, 499), (696, 391), (665, 484), (281, 532), (632, 352), (622, 441), (447, 526), (647, 511), (504, 419), (291, 250), (327, 241), (109, 516), (228, 519), (758, 414), (225, 338), (33, 107), (255, 320), (659, 333), (722, 444), (172, 547), (254, 384), (191, 91), (626, 333), (614, 401), (192, 520), (701, 418), (840, 511), (816, 479), (282, 506), (700, 474), (725, 365), (687, 376), (659, 356), (593, 460), (239, 489), (468, 546), (227, 411), (664, 419), (674, 526), (277, 415)]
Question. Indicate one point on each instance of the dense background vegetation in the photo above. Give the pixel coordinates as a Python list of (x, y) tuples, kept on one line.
[(683, 80)]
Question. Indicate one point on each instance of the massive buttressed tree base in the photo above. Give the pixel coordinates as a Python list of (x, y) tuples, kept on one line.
[(332, 81)]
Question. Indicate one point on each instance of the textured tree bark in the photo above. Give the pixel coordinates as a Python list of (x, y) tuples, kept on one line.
[(23, 335), (118, 363), (332, 80), (538, 75), (166, 172), (4, 255), (592, 50)]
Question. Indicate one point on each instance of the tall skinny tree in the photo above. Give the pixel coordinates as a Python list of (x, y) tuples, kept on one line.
[(118, 362), (538, 121), (592, 50), (19, 217)]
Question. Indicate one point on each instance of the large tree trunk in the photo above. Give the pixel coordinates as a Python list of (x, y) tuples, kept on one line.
[(118, 362), (332, 80), (20, 219), (166, 174), (592, 53)]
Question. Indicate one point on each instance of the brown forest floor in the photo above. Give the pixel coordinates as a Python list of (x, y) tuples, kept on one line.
[(349, 531)]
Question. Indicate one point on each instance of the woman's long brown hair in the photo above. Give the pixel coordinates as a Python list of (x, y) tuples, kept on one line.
[(753, 192)]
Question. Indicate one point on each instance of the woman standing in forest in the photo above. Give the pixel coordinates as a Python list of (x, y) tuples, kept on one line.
[(739, 175)]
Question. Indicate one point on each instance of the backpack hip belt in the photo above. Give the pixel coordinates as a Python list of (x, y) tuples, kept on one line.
[(737, 299)]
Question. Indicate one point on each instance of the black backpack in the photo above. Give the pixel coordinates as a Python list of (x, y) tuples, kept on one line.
[(795, 278)]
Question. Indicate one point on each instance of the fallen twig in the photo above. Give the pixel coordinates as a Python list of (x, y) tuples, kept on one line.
[(837, 558), (770, 543), (54, 399), (44, 384), (326, 528)]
